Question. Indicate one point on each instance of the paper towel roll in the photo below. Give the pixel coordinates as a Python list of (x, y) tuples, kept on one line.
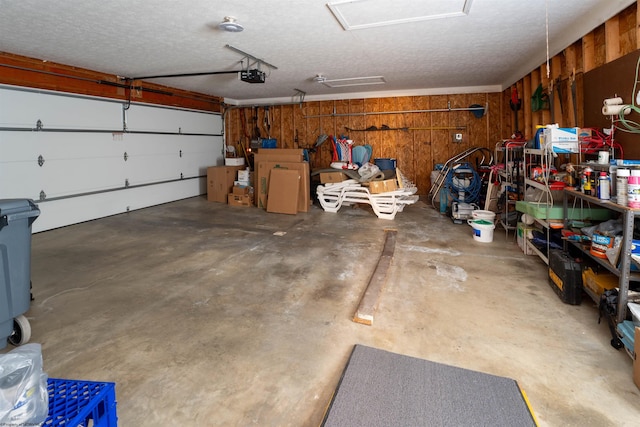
[(614, 110), (613, 101)]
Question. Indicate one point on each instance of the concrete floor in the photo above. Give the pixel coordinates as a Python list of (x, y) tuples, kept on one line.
[(203, 316)]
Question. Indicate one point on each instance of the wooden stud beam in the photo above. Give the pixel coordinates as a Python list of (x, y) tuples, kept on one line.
[(612, 39), (369, 302)]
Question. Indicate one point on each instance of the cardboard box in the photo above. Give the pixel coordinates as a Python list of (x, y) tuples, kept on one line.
[(219, 182), (383, 186), (278, 154), (243, 201), (329, 177), (262, 182), (243, 175), (284, 185), (636, 357), (234, 161), (562, 140), (240, 190)]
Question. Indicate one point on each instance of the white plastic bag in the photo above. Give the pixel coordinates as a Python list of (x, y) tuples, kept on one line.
[(368, 171), (24, 399)]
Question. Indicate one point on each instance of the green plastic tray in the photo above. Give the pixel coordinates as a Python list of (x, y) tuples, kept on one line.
[(541, 211)]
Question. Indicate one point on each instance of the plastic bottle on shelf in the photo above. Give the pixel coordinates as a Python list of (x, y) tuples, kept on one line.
[(633, 189), (622, 182), (604, 186), (586, 181)]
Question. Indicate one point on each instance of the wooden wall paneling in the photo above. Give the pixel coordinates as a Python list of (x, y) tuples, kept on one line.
[(404, 139), (628, 27), (312, 123), (388, 140), (328, 125), (525, 111), (342, 120), (506, 114), (31, 72), (612, 39), (231, 124), (545, 114), (579, 101), (357, 120), (477, 127), (524, 92), (255, 119), (300, 124), (600, 54), (588, 52), (556, 89), (275, 117), (441, 147), (574, 62), (287, 131), (495, 117), (576, 57), (372, 105), (423, 156), (459, 119), (536, 116)]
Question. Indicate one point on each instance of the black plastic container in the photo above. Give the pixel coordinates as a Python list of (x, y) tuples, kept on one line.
[(565, 276)]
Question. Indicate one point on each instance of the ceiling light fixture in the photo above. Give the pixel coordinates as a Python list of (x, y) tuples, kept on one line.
[(319, 78), (354, 81), (230, 24)]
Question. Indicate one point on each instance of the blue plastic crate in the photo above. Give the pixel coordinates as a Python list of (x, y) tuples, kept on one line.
[(76, 403)]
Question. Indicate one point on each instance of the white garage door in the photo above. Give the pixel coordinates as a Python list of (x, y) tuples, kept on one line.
[(84, 158)]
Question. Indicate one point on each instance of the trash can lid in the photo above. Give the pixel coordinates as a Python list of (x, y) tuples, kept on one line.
[(13, 206)]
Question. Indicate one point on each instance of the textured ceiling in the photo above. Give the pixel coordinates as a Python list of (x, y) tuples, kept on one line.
[(487, 49)]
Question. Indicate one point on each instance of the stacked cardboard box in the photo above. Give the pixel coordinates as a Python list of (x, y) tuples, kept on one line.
[(220, 181), (288, 187), (241, 196)]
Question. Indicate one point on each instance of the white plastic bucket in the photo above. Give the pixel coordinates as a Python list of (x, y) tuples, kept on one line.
[(482, 230), (480, 214)]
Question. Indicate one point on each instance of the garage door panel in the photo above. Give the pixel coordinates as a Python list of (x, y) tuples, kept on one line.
[(19, 147), (67, 177), (79, 146), (59, 213), (20, 181), (23, 109), (153, 144), (158, 119), (153, 168)]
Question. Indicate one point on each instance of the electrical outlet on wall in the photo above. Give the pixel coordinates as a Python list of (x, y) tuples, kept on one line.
[(457, 137)]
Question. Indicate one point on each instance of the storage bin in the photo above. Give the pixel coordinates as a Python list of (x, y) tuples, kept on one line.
[(385, 164), (269, 143), (81, 403)]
